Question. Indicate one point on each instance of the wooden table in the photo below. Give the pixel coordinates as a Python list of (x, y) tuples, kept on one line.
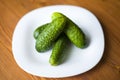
[(108, 13)]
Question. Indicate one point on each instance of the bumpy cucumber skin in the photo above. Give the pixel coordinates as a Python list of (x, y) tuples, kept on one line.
[(49, 34), (58, 51), (39, 30), (73, 32)]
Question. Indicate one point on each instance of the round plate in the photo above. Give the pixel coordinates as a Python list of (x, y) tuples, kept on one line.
[(78, 60)]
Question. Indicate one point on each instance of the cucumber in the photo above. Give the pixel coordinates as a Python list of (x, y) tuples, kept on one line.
[(49, 34), (58, 54), (73, 32), (39, 30)]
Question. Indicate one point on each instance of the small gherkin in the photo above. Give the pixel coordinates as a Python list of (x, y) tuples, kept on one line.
[(73, 32), (58, 51), (49, 34)]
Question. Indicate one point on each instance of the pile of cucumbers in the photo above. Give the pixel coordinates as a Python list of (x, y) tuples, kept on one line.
[(56, 34)]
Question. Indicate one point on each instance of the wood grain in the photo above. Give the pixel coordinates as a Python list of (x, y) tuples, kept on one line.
[(108, 13)]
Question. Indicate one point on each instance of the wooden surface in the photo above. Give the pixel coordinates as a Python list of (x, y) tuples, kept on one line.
[(108, 13)]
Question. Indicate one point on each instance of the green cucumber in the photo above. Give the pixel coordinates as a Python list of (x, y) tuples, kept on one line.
[(57, 55), (39, 30), (49, 34), (73, 32)]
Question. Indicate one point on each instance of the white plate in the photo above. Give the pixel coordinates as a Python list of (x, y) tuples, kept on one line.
[(78, 60)]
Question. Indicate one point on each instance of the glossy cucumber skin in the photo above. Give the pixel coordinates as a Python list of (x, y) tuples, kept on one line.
[(39, 30), (49, 34), (73, 32), (58, 51)]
